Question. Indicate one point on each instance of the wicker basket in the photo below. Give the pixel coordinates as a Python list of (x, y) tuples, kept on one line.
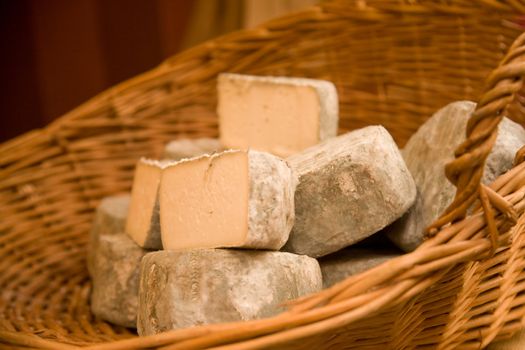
[(394, 63)]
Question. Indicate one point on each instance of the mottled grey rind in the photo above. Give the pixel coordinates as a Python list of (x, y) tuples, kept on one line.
[(197, 287), (349, 188), (190, 148), (426, 154), (271, 201), (352, 261), (110, 218), (116, 268), (326, 90)]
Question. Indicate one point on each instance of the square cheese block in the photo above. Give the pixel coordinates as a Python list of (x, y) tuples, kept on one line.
[(110, 219), (230, 199), (190, 148), (115, 277), (279, 115), (143, 222), (350, 187), (206, 286)]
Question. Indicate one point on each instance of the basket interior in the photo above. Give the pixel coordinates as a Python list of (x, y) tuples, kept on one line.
[(391, 67)]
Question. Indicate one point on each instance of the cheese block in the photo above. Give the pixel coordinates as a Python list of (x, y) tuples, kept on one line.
[(349, 188), (351, 261), (206, 286), (275, 114), (426, 154), (115, 277), (190, 148), (231, 199), (110, 218), (143, 222)]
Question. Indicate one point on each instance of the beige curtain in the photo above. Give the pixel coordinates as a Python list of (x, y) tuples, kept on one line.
[(259, 11), (211, 18)]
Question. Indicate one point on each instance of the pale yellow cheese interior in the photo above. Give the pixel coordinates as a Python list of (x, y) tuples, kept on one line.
[(204, 202), (143, 197), (282, 119)]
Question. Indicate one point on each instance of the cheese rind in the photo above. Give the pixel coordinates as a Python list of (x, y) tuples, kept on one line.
[(271, 202), (426, 154), (279, 115), (231, 199), (349, 188), (206, 286), (190, 148), (110, 218), (143, 222), (352, 261), (115, 278)]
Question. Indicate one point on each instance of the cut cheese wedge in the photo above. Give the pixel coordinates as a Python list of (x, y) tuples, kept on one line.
[(275, 114), (143, 223), (231, 199)]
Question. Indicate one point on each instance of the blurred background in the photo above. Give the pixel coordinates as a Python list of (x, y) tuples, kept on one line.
[(56, 54)]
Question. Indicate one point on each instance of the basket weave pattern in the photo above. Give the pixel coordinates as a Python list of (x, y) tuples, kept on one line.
[(394, 63)]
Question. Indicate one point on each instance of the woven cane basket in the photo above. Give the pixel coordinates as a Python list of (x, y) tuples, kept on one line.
[(394, 63)]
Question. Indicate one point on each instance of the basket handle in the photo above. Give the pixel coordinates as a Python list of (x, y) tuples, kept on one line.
[(504, 95)]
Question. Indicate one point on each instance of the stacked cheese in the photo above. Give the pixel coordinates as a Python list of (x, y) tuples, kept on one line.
[(218, 219)]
